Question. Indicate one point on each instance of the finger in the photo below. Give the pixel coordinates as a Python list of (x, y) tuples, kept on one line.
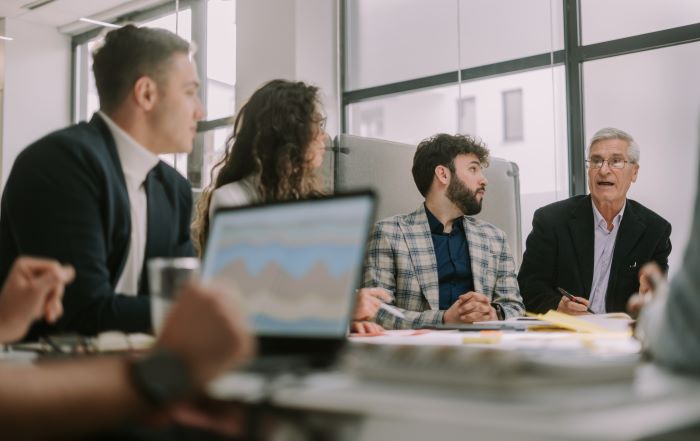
[(41, 289), (376, 328), (479, 297), (473, 307), (575, 307), (467, 296), (364, 328), (644, 286), (53, 307), (471, 317), (583, 301), (68, 273), (38, 266)]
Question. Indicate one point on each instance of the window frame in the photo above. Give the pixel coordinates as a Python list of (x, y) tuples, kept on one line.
[(572, 57)]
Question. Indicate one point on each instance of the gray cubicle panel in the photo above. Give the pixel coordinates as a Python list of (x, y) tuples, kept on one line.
[(385, 166)]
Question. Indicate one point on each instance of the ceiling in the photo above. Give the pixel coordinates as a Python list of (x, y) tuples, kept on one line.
[(65, 13)]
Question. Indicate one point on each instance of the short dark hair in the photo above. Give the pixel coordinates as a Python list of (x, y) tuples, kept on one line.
[(129, 53), (442, 149)]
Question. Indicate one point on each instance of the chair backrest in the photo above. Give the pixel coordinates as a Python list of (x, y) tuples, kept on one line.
[(385, 166)]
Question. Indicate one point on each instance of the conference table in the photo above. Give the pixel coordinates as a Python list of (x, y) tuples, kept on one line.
[(434, 385)]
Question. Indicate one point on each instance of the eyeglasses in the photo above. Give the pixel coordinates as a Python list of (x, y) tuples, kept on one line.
[(616, 163), (322, 123)]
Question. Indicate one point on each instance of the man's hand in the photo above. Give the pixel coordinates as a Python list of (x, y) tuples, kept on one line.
[(32, 290), (368, 301), (649, 277), (469, 308), (366, 328), (572, 308), (206, 330)]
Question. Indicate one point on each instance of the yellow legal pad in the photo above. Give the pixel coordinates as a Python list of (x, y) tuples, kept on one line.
[(575, 324)]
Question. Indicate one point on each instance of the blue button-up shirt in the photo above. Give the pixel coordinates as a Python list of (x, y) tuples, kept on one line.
[(453, 261), (602, 258)]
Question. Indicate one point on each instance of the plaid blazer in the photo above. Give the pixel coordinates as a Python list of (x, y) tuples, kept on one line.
[(401, 259)]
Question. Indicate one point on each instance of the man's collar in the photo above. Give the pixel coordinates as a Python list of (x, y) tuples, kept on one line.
[(598, 218), (436, 227), (136, 160)]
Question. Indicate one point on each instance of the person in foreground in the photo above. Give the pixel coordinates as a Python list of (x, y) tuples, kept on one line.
[(668, 326), (203, 336), (277, 145), (441, 264), (594, 246), (95, 195)]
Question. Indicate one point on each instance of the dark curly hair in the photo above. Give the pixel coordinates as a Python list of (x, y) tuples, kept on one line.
[(270, 139), (442, 149)]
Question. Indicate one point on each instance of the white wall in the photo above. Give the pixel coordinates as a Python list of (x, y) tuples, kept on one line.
[(36, 89), (290, 39)]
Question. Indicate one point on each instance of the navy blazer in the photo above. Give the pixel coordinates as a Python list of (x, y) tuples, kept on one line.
[(66, 199), (559, 253)]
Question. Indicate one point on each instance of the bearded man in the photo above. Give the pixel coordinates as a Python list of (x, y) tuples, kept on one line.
[(442, 265)]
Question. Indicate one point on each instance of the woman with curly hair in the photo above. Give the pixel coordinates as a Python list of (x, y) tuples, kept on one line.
[(278, 143)]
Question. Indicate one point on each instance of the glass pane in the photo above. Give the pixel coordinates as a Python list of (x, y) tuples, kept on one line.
[(655, 96), (467, 116), (181, 22), (513, 115), (609, 20), (541, 154), (214, 147), (396, 40), (499, 30), (221, 58)]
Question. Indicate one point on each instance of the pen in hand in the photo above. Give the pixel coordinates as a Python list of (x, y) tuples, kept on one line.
[(573, 299), (393, 310)]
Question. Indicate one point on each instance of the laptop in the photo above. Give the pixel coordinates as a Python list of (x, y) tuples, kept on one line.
[(296, 266)]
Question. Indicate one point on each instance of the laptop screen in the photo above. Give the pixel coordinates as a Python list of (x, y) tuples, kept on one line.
[(295, 264)]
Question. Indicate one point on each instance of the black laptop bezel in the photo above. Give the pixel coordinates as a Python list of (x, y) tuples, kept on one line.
[(316, 351)]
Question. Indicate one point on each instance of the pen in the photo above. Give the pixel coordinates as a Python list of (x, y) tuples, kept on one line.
[(393, 310), (573, 299)]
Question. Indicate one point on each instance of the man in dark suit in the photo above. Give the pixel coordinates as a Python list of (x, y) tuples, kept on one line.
[(96, 196), (594, 246)]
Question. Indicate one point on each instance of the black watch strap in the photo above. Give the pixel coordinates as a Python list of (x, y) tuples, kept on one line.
[(161, 377), (499, 311)]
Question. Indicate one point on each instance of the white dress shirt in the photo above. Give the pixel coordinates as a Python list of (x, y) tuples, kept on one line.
[(136, 162), (602, 257)]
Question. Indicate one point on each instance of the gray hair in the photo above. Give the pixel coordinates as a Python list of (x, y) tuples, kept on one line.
[(613, 133)]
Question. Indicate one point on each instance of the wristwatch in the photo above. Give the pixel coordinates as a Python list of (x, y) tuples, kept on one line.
[(161, 377)]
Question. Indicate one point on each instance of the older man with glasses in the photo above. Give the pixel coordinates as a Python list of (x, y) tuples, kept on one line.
[(593, 246)]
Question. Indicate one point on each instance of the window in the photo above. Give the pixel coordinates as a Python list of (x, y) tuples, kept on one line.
[(466, 116), (513, 115), (541, 157), (369, 122), (511, 63)]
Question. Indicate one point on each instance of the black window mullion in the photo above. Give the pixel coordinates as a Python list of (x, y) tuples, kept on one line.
[(574, 97)]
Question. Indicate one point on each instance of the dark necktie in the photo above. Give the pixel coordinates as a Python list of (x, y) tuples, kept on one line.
[(158, 224)]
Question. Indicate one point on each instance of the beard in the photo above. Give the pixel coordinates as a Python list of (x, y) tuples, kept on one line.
[(464, 198)]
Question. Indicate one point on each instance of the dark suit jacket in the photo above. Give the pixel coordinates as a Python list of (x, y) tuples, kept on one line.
[(559, 253), (66, 199)]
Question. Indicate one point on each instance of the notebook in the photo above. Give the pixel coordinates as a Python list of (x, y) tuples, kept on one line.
[(296, 266)]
